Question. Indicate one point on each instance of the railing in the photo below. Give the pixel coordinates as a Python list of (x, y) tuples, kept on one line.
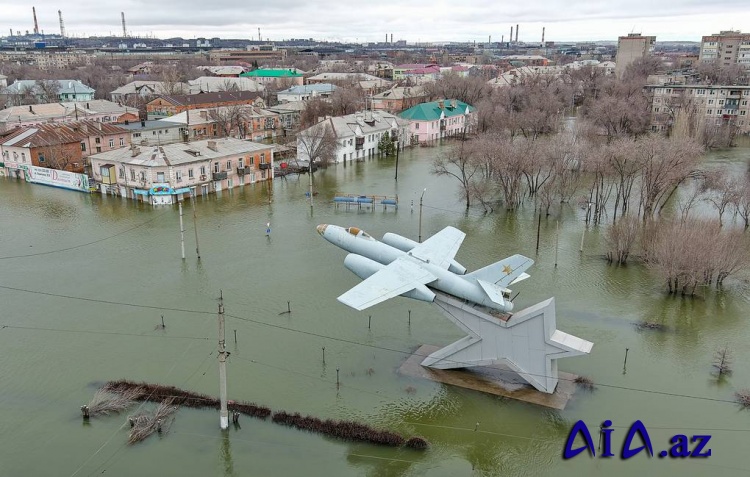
[(217, 176), (244, 170), (264, 165)]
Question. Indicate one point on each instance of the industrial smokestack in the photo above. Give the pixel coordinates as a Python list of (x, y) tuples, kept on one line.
[(391, 38), (36, 25), (510, 39), (502, 38), (386, 37), (62, 25), (490, 40), (516, 32), (542, 36), (124, 31)]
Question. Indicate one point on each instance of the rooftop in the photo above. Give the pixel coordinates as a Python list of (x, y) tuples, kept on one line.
[(310, 88), (432, 111), (268, 73), (65, 87)]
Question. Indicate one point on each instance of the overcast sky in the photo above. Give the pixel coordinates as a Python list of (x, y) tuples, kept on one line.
[(415, 20)]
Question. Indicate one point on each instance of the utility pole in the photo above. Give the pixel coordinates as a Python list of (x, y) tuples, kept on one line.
[(223, 413), (182, 233), (195, 227), (583, 234), (310, 173), (420, 214)]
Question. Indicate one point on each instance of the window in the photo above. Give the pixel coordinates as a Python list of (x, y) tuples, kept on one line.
[(252, 160), (216, 167), (41, 157), (743, 113), (721, 111), (132, 174), (23, 157), (83, 146), (656, 110), (710, 111), (229, 183), (178, 176), (416, 125), (111, 143), (98, 149), (229, 165), (122, 141), (121, 172), (721, 101), (712, 92), (190, 174), (263, 158), (744, 102), (143, 176), (203, 170), (241, 161), (159, 177), (136, 135), (710, 101), (98, 140)]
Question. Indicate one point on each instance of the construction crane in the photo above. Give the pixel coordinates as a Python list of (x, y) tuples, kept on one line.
[(124, 31)]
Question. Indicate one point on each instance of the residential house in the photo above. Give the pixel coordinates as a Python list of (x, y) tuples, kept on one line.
[(165, 106), (370, 84), (306, 92), (142, 90), (65, 90), (60, 146), (172, 172), (289, 114), (99, 110), (430, 122), (212, 84), (398, 98), (280, 77), (708, 104), (155, 133), (223, 71), (145, 68), (358, 134), (410, 70)]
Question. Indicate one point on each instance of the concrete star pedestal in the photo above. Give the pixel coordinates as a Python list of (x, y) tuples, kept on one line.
[(502, 349)]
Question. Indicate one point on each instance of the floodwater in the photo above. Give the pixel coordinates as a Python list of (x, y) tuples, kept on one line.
[(55, 350)]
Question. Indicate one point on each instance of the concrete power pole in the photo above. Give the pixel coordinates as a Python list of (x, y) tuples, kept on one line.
[(124, 31), (223, 413), (36, 24), (62, 25)]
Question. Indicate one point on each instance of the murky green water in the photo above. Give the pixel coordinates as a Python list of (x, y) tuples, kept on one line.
[(56, 351)]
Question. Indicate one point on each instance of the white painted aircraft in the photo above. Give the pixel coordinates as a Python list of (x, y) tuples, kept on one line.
[(407, 268)]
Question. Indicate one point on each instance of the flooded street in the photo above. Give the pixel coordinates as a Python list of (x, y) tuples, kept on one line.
[(85, 279)]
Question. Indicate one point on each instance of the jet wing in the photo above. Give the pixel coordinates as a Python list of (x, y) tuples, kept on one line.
[(440, 249), (400, 276)]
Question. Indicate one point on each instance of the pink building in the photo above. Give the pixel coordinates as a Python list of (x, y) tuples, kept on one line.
[(429, 122)]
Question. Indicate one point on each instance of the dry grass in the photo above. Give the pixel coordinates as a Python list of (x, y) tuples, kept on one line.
[(585, 382), (105, 403), (743, 398), (143, 425)]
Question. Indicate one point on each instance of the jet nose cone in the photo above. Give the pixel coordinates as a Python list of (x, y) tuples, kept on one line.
[(322, 228)]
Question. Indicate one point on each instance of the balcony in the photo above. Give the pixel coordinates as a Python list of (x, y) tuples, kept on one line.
[(244, 170), (264, 166), (217, 176), (359, 143)]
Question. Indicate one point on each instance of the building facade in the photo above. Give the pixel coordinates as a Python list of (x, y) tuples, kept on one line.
[(630, 48), (727, 48), (358, 135), (711, 104), (306, 92), (398, 99), (165, 106), (99, 110), (278, 76), (436, 120), (64, 90), (172, 172)]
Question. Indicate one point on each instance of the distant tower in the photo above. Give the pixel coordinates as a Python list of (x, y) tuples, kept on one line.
[(542, 36), (502, 38), (36, 25), (391, 38), (490, 40), (124, 31), (260, 38), (386, 37), (510, 39), (62, 25), (516, 32)]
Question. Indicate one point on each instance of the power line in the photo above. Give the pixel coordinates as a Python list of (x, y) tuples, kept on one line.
[(94, 332), (84, 244), (343, 340), (106, 302)]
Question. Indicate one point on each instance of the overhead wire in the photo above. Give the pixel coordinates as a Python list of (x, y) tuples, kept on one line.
[(26, 255)]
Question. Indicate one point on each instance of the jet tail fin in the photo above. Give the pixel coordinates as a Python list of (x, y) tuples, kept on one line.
[(505, 272)]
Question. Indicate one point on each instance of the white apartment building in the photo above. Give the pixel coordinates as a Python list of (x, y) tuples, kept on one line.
[(717, 104)]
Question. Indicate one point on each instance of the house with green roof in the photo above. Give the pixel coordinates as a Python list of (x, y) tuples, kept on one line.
[(281, 76), (429, 122)]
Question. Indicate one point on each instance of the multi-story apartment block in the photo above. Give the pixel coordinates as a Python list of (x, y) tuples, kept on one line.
[(165, 106), (726, 48), (51, 61), (430, 122), (631, 48), (712, 104), (168, 173)]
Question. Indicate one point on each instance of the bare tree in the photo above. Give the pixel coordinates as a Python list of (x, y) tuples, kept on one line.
[(347, 100), (722, 190), (315, 110), (60, 156), (317, 143), (459, 162), (723, 361), (621, 236), (47, 91), (231, 120)]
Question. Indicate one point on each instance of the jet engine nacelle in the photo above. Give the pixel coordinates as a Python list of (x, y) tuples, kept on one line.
[(404, 244), (363, 267)]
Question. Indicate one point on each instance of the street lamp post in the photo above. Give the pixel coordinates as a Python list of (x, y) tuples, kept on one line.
[(583, 234), (420, 214)]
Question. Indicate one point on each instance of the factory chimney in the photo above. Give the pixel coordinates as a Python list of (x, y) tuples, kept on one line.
[(124, 31), (36, 25), (510, 40), (391, 38), (386, 37), (516, 32), (62, 25), (542, 36)]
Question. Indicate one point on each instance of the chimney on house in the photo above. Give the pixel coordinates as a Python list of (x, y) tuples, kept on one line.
[(212, 145), (135, 151)]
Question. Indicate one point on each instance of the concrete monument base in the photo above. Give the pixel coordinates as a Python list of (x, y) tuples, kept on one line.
[(496, 379)]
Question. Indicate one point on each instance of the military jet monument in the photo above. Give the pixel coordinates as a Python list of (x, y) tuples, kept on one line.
[(478, 302)]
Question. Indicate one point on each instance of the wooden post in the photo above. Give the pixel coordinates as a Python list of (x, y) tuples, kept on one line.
[(557, 239), (369, 318), (337, 376), (409, 317), (324, 355), (538, 228)]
